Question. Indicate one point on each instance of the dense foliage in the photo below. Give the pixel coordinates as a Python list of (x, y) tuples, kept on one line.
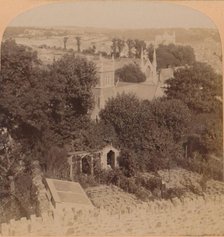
[(43, 106), (172, 55), (40, 107), (45, 109), (145, 128), (130, 73), (134, 47), (200, 88), (197, 86)]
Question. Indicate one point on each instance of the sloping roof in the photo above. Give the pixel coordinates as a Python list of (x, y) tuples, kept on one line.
[(70, 193)]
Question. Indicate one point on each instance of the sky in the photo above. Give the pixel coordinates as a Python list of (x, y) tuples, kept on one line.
[(116, 14)]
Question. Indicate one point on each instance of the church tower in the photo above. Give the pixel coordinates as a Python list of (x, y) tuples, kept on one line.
[(105, 87), (154, 66), (149, 68), (105, 73), (142, 59)]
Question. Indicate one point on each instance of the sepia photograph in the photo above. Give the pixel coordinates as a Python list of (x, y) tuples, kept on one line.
[(111, 120)]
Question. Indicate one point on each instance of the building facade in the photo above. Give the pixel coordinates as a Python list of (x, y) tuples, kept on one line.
[(107, 87)]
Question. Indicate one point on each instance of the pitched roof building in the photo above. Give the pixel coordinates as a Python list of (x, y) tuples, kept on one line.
[(107, 87)]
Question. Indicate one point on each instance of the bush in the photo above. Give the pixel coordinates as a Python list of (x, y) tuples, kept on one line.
[(173, 192), (130, 73), (116, 177), (86, 180), (56, 164), (150, 183), (143, 194), (25, 193), (127, 162), (128, 184), (22, 203)]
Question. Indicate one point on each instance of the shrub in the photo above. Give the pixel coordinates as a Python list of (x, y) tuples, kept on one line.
[(86, 180), (56, 163), (143, 194), (128, 184), (127, 162), (173, 192), (25, 193), (151, 182), (130, 73)]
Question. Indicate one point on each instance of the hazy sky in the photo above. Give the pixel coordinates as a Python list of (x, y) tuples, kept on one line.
[(117, 14)]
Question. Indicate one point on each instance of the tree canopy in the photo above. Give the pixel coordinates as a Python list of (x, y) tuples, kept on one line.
[(145, 128), (172, 55), (44, 106), (200, 88), (197, 86), (130, 73)]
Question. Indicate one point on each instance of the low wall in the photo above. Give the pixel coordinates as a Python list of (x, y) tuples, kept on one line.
[(158, 217)]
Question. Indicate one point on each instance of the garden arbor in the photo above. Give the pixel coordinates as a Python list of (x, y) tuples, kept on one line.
[(85, 162)]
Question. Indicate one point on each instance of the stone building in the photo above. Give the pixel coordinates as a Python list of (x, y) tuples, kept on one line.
[(88, 162), (107, 87)]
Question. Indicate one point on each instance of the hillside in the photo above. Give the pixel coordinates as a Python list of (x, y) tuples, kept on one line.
[(119, 213)]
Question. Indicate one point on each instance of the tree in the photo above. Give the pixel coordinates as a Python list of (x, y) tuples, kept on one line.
[(78, 43), (71, 80), (139, 131), (10, 156), (120, 112), (130, 44), (94, 136), (139, 46), (39, 107), (65, 42), (56, 163), (200, 88), (23, 99), (197, 86), (173, 114), (130, 73), (207, 130), (16, 190), (114, 47), (90, 50), (127, 162), (172, 55), (120, 46)]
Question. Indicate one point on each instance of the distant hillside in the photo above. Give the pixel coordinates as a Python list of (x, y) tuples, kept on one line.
[(205, 42), (184, 36)]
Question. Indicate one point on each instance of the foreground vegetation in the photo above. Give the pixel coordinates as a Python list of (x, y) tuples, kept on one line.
[(46, 111)]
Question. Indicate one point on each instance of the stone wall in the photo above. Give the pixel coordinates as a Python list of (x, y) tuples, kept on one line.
[(201, 216)]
